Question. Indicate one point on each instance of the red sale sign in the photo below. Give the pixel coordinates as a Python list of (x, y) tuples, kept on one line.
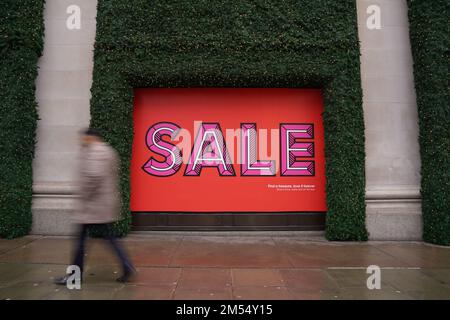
[(228, 150)]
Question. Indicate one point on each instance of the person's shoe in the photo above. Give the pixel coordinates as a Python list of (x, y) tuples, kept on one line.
[(127, 275), (61, 280)]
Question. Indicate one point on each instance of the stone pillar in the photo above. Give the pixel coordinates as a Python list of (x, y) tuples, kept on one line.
[(393, 206), (63, 94)]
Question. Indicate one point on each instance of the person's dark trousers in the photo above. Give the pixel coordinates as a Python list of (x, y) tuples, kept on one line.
[(80, 249)]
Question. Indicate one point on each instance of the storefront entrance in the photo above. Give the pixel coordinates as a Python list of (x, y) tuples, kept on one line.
[(228, 159)]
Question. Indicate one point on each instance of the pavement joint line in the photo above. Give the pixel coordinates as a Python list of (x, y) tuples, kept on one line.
[(435, 245), (21, 245), (363, 268), (282, 251), (138, 236), (177, 283), (392, 255), (175, 250)]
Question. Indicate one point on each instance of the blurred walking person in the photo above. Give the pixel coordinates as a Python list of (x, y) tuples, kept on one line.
[(99, 202)]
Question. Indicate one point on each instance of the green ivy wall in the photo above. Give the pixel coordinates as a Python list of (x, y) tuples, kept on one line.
[(21, 33), (429, 32)]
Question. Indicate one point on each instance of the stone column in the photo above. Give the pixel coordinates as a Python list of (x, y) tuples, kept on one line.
[(63, 94), (393, 206)]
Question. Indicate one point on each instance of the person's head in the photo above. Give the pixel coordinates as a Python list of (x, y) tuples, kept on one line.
[(90, 135)]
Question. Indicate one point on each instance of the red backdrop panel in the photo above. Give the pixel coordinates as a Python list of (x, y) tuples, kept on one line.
[(209, 192)]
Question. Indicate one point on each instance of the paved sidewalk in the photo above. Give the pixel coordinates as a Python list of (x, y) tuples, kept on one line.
[(224, 266)]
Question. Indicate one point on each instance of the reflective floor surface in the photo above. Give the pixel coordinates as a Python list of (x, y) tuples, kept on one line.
[(173, 266)]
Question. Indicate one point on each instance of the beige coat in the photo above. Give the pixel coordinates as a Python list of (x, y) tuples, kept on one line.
[(99, 200)]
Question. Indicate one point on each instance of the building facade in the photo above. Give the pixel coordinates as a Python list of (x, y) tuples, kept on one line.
[(392, 163)]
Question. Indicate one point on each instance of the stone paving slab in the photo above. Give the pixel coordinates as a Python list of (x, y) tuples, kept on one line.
[(227, 267), (317, 255), (230, 252), (418, 254), (7, 245)]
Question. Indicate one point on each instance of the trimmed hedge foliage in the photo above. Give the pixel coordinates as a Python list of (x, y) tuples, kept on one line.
[(21, 33), (230, 43), (429, 32)]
